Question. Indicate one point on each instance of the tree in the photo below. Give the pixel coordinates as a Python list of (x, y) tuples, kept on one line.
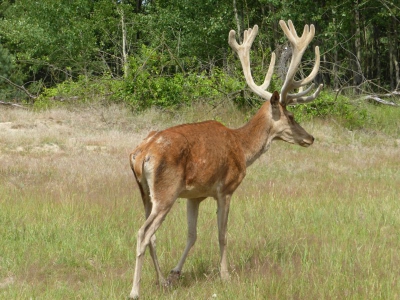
[(52, 41)]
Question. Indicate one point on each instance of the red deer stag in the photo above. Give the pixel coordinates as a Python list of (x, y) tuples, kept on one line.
[(207, 159)]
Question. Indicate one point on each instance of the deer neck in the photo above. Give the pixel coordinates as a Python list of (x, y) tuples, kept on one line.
[(256, 136)]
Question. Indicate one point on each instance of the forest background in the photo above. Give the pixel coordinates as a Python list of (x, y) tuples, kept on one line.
[(168, 53)]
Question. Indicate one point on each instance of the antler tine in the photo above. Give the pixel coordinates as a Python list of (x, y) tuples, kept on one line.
[(296, 84), (243, 51), (268, 77), (299, 97), (299, 45)]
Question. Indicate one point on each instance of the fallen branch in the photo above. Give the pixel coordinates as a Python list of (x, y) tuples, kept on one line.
[(12, 104), (378, 98), (64, 99)]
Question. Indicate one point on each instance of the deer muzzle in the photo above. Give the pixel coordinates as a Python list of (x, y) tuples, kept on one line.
[(307, 142)]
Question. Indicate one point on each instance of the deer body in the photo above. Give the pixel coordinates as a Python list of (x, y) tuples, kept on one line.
[(184, 149), (207, 159)]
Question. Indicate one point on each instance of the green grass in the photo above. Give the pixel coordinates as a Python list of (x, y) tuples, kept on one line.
[(315, 223)]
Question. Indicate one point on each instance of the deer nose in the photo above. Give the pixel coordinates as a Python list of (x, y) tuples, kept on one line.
[(308, 141)]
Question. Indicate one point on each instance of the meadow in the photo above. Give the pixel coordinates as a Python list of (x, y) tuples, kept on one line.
[(315, 223)]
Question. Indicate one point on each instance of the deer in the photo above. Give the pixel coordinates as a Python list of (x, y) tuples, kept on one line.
[(200, 160)]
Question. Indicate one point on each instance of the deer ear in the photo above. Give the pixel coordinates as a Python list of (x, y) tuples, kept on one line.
[(275, 99)]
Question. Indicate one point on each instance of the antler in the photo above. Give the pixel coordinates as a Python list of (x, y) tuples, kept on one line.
[(299, 45), (243, 51)]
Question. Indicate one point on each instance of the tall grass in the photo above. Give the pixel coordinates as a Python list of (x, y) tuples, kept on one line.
[(315, 223)]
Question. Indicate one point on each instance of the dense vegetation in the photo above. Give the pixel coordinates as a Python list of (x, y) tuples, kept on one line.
[(168, 53)]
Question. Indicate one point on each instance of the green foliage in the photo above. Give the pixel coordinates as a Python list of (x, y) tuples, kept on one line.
[(144, 90), (151, 82), (5, 70), (83, 90), (5, 62), (155, 78), (330, 105), (193, 28), (10, 72), (49, 30), (52, 41)]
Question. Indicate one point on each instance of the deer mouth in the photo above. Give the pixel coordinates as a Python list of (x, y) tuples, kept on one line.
[(307, 142)]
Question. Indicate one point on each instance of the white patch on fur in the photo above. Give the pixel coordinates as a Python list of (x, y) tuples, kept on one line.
[(149, 138), (163, 141), (148, 172), (160, 140), (190, 187)]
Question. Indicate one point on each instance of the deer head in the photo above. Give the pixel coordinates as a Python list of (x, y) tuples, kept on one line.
[(284, 125)]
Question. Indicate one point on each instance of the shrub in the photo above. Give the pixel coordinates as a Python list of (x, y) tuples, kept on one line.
[(329, 105), (152, 81)]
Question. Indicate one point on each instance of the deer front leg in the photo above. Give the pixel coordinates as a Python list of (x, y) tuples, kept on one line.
[(223, 211), (192, 215)]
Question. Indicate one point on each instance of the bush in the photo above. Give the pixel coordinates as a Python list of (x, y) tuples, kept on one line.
[(82, 90), (152, 81), (329, 105)]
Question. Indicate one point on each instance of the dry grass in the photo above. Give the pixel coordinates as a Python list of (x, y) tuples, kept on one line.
[(316, 223)]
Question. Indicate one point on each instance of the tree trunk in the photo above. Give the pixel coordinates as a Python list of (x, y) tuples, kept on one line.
[(139, 6), (395, 56), (335, 59), (377, 54), (391, 62), (275, 30), (357, 71), (125, 66), (237, 21), (138, 9)]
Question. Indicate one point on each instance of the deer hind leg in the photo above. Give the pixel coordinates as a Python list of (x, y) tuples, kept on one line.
[(145, 193), (145, 238), (223, 202), (192, 215), (152, 246)]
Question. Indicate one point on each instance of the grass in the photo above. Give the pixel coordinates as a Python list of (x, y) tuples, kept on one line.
[(316, 223)]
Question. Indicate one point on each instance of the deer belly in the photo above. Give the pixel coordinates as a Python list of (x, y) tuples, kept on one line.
[(199, 191)]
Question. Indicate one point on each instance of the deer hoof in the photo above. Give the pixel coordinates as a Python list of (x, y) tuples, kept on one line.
[(173, 277), (225, 276)]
